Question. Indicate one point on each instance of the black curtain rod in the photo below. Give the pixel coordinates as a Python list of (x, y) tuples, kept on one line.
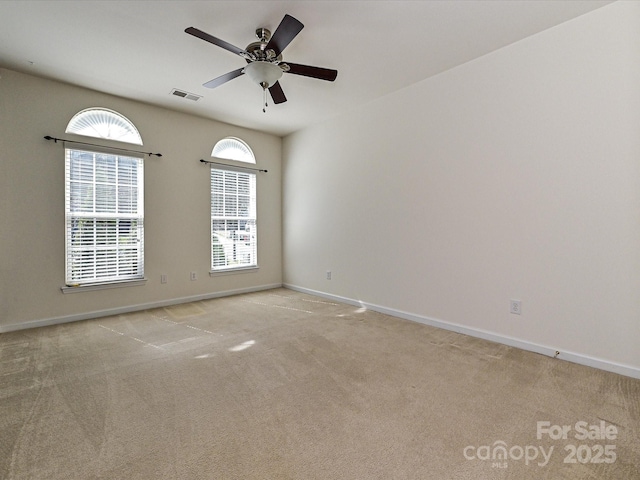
[(49, 137), (234, 166)]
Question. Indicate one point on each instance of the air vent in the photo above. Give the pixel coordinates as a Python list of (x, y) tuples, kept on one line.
[(187, 95)]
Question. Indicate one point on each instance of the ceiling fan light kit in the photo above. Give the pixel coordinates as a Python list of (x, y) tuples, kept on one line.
[(264, 74), (264, 59)]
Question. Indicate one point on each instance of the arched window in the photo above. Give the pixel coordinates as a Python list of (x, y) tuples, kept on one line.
[(104, 204), (104, 123), (233, 209), (231, 148)]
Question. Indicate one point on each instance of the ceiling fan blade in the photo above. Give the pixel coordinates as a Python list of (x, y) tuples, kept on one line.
[(216, 82), (287, 30), (277, 94), (314, 72), (216, 41)]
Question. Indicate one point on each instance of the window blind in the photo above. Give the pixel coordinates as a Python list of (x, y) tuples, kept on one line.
[(233, 220), (104, 217)]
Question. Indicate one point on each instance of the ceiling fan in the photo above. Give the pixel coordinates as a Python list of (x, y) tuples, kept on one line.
[(264, 59)]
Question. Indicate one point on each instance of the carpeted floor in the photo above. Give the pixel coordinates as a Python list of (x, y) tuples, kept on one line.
[(283, 385)]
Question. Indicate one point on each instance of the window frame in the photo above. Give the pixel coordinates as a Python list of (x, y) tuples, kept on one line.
[(101, 242), (106, 124), (251, 218)]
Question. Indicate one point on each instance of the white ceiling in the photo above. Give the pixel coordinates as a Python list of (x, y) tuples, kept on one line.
[(138, 49)]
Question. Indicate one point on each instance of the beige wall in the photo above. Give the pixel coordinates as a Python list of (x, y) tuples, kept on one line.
[(177, 205), (514, 176)]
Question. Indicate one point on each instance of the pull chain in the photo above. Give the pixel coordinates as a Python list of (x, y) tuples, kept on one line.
[(264, 97), (264, 86)]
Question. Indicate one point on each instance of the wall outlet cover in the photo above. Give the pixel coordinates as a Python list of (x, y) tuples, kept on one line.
[(515, 307)]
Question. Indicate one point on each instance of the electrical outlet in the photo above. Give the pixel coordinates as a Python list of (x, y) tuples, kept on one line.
[(163, 278), (194, 276), (328, 274), (515, 307)]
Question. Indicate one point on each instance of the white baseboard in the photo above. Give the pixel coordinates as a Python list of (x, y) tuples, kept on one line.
[(130, 308), (573, 357)]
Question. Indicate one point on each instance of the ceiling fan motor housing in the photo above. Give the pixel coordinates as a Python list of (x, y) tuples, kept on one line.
[(258, 50)]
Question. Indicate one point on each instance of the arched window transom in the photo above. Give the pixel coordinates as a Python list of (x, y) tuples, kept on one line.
[(104, 123), (231, 148)]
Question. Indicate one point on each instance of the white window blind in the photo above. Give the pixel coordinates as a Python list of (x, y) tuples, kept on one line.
[(104, 217), (233, 220)]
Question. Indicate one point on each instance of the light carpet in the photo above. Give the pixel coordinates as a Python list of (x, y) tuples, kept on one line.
[(284, 385)]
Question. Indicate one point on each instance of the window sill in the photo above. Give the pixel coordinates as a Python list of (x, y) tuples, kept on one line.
[(102, 286), (231, 271)]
